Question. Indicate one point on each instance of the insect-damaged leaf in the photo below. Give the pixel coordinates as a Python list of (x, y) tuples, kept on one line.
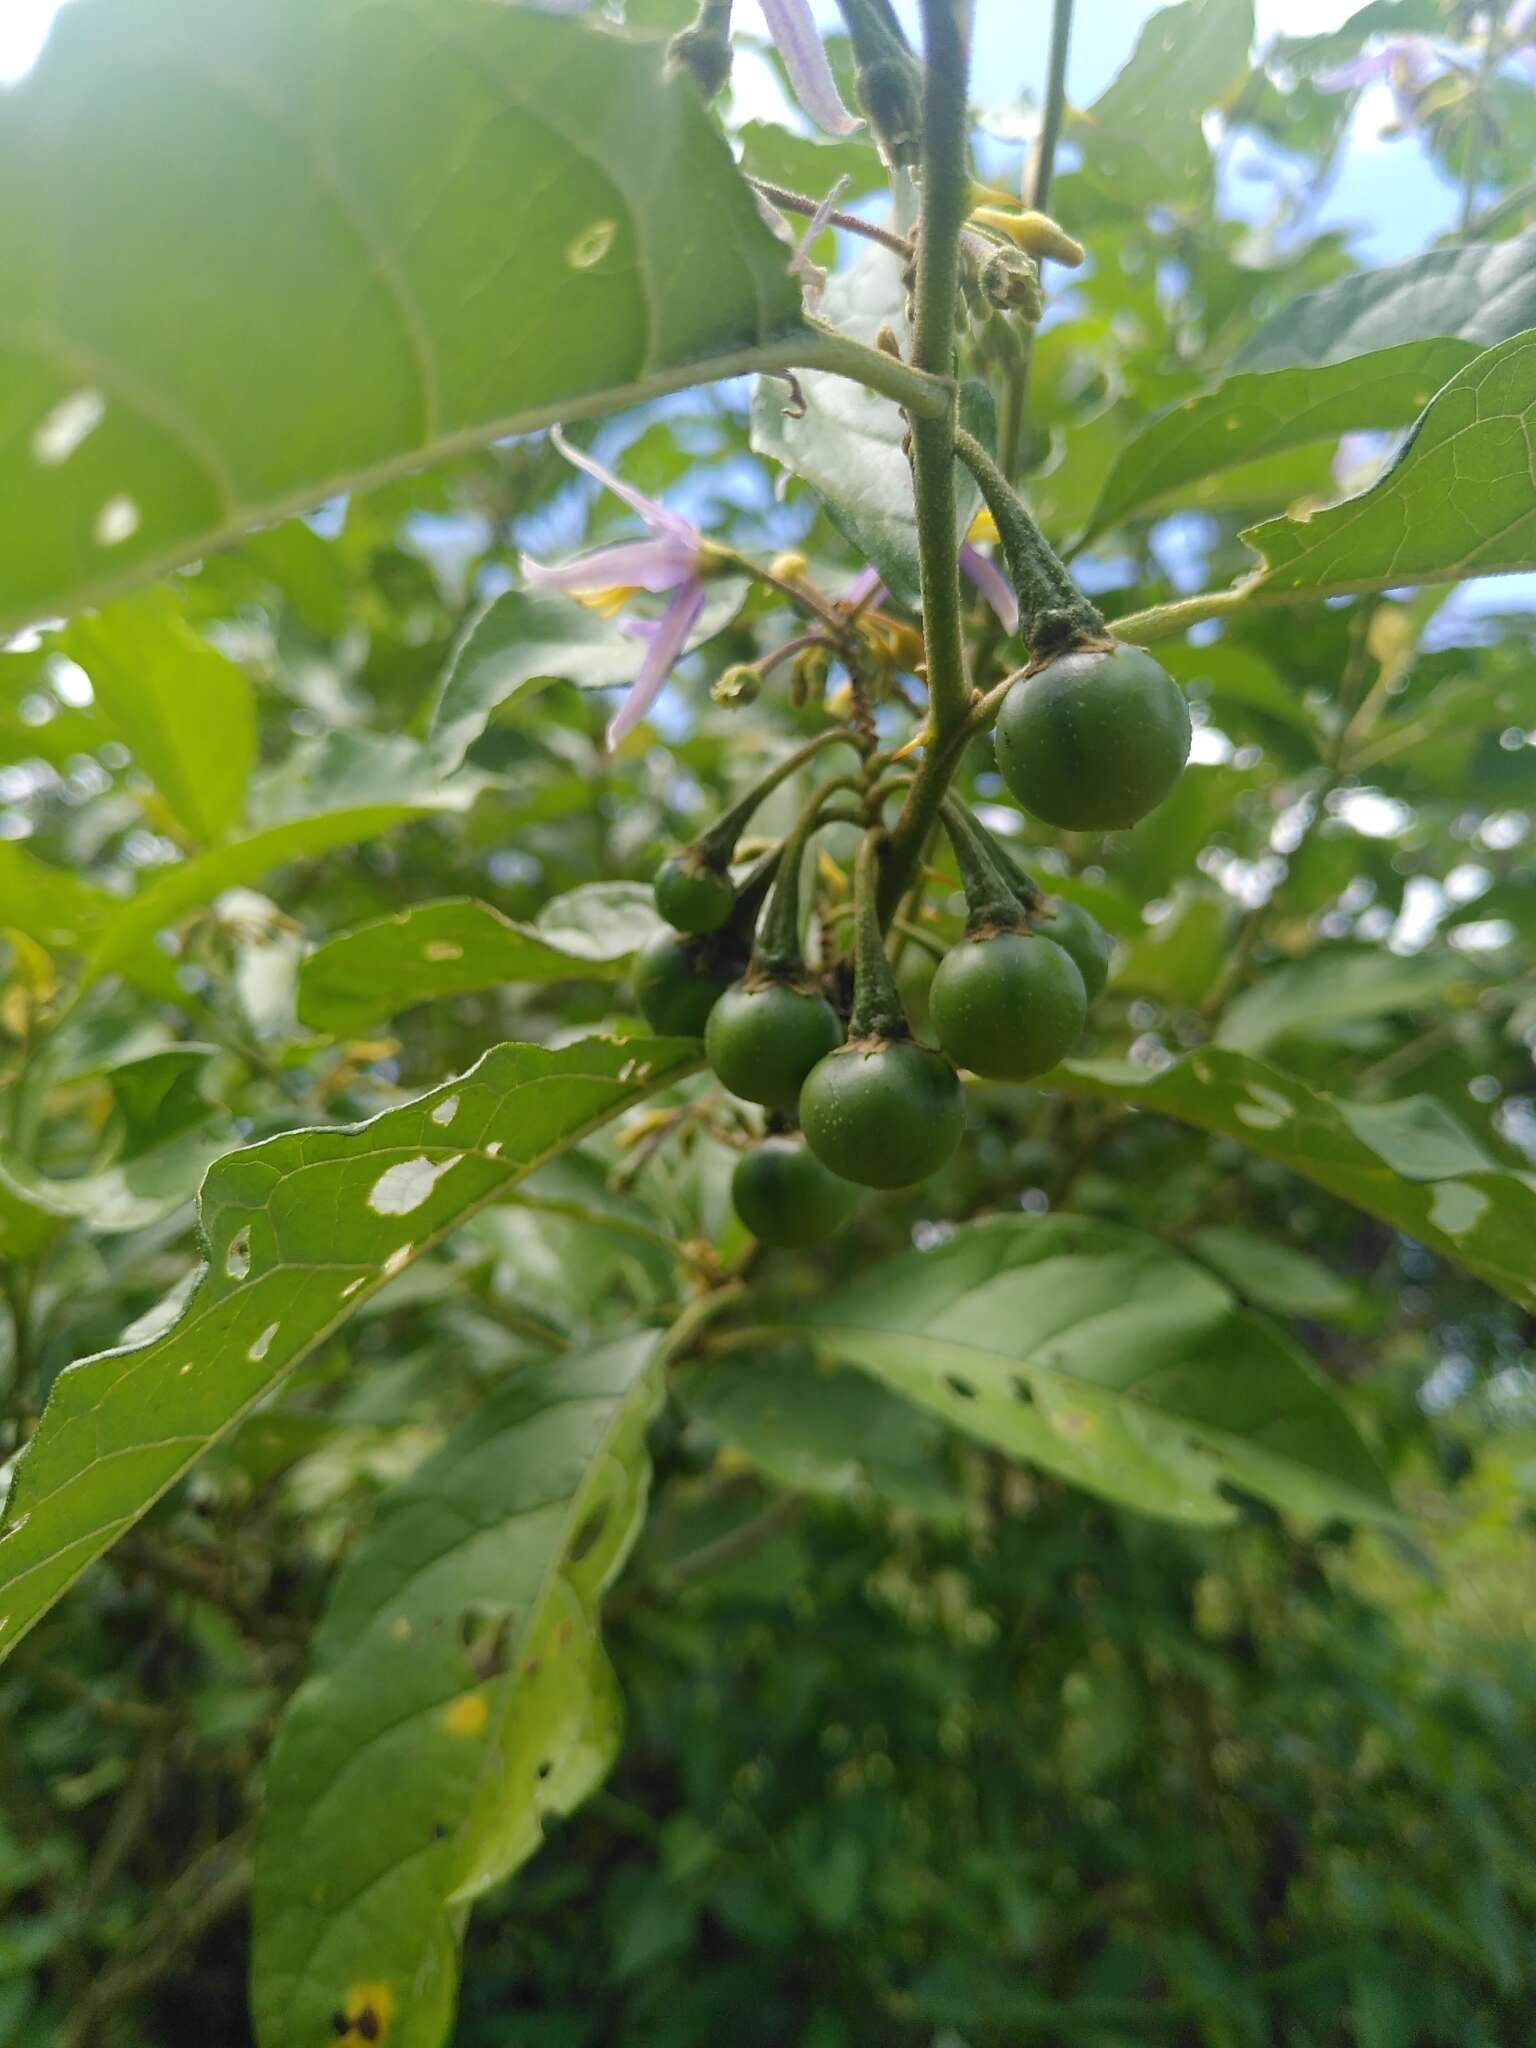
[(300, 1231), (459, 1693)]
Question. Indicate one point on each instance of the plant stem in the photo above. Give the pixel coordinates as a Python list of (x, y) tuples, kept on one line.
[(877, 1011), (1016, 397), (799, 202), (826, 348), (1056, 614), (717, 844), (945, 201)]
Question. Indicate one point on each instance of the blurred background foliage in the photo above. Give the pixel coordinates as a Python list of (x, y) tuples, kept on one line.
[(923, 1748)]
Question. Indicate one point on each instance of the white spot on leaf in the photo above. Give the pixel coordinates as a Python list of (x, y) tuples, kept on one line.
[(442, 949), (446, 1110), (396, 1260), (493, 1150), (118, 520), (1270, 1099), (263, 1344), (591, 245), (406, 1185), (1456, 1207), (352, 1286), (237, 1260), (72, 421), (1258, 1119)]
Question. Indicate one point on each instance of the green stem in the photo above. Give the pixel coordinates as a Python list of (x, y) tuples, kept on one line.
[(945, 202), (788, 201), (1016, 397), (885, 77), (992, 900), (826, 348), (717, 844), (1056, 614), (877, 1011), (704, 47), (778, 955)]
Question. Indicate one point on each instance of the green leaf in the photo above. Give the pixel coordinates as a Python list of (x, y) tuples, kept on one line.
[(460, 1693), (449, 948), (1460, 499), (242, 293), (1262, 413), (1107, 1359), (182, 709), (528, 637), (300, 1232), (1479, 292), (1409, 1162), (1273, 1276), (1336, 985), (1142, 139), (145, 1188), (49, 904), (847, 445), (331, 792), (836, 1434)]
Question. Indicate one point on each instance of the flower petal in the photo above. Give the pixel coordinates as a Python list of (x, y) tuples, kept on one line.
[(805, 59), (629, 564), (667, 643), (865, 589), (1361, 70), (670, 525), (993, 585)]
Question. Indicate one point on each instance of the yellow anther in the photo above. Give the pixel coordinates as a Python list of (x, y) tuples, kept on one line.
[(1035, 233), (983, 527), (606, 602)]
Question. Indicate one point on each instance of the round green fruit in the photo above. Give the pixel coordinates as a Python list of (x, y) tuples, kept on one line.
[(785, 1196), (678, 982), (763, 1039), (1094, 740), (1086, 940), (693, 896), (1008, 1005), (883, 1112)]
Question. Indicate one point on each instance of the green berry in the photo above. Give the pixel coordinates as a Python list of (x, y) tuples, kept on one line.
[(1095, 740), (764, 1037), (785, 1196), (883, 1112), (691, 895), (678, 982), (1008, 1005), (1086, 940)]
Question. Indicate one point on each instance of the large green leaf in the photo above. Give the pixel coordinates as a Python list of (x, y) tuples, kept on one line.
[(242, 293), (1460, 500), (184, 710), (300, 1231), (1141, 140), (460, 1693), (526, 637), (847, 443), (332, 792), (129, 1195), (1108, 1359), (1409, 1162), (1336, 985), (48, 903), (1479, 292), (449, 948), (1262, 413)]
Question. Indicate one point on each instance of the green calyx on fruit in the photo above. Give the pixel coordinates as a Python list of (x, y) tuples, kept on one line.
[(691, 894), (883, 1112), (1081, 936), (764, 1037), (1008, 1005), (1094, 740), (785, 1196)]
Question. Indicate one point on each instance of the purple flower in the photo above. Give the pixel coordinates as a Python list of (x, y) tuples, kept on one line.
[(1406, 63), (673, 559), (805, 59)]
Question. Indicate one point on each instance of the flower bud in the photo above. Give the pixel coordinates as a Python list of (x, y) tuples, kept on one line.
[(736, 686)]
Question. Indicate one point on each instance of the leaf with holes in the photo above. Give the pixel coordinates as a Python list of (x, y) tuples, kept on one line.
[(1104, 1357), (1409, 1162), (526, 637), (565, 233), (459, 1694), (184, 711), (330, 792), (300, 1231), (450, 948), (1460, 499), (847, 444)]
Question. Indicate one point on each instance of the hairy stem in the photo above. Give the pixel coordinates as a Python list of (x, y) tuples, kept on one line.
[(1056, 614), (1016, 396), (852, 223)]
